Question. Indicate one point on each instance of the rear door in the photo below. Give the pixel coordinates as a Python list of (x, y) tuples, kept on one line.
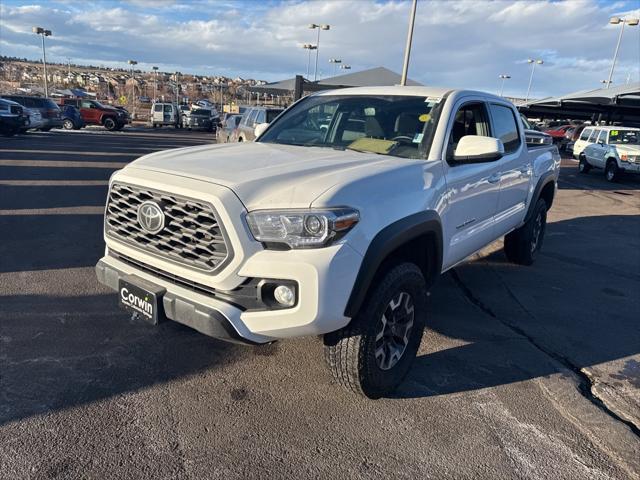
[(89, 114), (595, 151), (514, 170), (472, 188)]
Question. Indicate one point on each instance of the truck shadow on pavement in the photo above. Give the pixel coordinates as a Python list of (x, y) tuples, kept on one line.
[(576, 307)]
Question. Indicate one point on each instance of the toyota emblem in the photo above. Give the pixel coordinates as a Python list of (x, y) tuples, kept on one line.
[(150, 217)]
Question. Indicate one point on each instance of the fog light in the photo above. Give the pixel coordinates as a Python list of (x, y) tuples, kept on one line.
[(284, 295)]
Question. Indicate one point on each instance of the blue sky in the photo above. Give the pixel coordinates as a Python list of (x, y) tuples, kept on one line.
[(456, 43)]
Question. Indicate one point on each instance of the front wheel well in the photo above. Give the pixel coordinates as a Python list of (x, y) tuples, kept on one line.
[(420, 251)]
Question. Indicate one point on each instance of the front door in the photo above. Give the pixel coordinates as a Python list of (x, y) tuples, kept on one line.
[(472, 188)]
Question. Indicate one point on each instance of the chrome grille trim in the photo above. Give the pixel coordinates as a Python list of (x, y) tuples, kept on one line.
[(192, 236)]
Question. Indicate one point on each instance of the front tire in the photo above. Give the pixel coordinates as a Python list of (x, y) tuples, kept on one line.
[(611, 171), (110, 124), (583, 166), (67, 124), (372, 355), (522, 245)]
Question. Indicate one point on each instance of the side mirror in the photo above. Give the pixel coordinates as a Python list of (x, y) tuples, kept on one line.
[(260, 128), (478, 149)]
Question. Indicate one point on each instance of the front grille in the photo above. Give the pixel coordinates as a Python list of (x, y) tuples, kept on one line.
[(192, 234), (16, 110)]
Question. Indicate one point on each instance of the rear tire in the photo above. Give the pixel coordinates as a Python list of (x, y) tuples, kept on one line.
[(374, 352), (611, 171), (67, 124), (522, 245), (583, 166)]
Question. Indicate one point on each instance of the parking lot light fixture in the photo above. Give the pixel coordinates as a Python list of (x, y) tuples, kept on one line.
[(133, 88), (533, 63), (309, 47), (503, 77), (43, 33), (632, 22), (345, 67), (155, 82), (335, 62), (319, 27)]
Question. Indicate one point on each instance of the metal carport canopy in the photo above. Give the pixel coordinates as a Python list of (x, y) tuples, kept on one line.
[(621, 103)]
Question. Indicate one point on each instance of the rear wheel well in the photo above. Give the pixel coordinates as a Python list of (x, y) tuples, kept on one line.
[(547, 193)]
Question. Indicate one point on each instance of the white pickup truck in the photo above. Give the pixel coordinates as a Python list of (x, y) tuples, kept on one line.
[(335, 222)]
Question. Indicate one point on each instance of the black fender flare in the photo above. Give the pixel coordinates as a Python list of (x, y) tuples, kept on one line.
[(545, 179), (386, 241)]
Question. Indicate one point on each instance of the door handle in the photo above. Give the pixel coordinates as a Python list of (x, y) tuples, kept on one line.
[(526, 169), (495, 178)]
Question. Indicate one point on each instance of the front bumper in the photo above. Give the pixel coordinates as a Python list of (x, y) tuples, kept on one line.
[(324, 280), (630, 167)]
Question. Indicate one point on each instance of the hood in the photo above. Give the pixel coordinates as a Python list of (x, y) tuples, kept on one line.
[(267, 175), (629, 149)]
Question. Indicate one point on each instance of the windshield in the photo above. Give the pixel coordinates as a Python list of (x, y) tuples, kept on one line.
[(624, 137), (387, 125), (206, 113)]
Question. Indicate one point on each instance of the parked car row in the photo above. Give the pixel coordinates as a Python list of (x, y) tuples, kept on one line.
[(184, 116), (242, 127)]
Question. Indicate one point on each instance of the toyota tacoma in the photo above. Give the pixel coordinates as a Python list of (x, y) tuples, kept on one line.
[(336, 221)]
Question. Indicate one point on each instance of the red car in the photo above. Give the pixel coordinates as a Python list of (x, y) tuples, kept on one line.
[(95, 113), (558, 132)]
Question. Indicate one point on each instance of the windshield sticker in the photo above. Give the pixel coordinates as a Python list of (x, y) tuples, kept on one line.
[(614, 133), (433, 99), (424, 117), (417, 138)]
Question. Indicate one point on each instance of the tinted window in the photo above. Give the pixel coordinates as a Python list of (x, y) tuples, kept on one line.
[(261, 117), (168, 109), (602, 137), (157, 108), (585, 134), (272, 114), (594, 135), (505, 127)]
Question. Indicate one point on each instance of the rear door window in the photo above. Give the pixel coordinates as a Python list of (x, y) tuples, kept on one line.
[(261, 117), (585, 134), (602, 137), (168, 109), (594, 135), (505, 127)]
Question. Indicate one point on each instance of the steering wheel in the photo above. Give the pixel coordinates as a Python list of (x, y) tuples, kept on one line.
[(403, 137)]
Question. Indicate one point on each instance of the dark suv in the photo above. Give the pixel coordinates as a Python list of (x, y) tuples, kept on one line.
[(51, 114), (95, 113)]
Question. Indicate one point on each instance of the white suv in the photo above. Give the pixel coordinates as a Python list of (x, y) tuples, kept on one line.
[(614, 149), (335, 222)]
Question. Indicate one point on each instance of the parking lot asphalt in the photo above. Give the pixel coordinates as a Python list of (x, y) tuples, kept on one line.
[(523, 372)]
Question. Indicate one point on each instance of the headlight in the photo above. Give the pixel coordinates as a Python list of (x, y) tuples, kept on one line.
[(302, 228)]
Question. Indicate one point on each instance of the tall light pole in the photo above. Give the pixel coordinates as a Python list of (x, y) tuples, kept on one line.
[(133, 88), (632, 22), (319, 27), (309, 47), (155, 82), (335, 62), (407, 48), (503, 77), (44, 33), (177, 77), (533, 63)]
